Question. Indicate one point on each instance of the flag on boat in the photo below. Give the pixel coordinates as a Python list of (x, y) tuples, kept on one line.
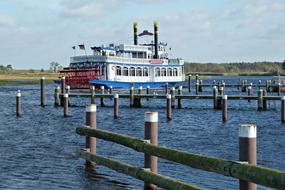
[(146, 33), (82, 46), (73, 47)]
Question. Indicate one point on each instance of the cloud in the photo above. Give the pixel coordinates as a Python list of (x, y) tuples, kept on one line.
[(6, 20)]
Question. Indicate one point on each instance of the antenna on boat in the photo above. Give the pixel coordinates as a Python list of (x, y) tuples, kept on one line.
[(155, 40), (135, 33)]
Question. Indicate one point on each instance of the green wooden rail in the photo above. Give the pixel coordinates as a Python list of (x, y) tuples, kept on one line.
[(139, 173), (256, 174)]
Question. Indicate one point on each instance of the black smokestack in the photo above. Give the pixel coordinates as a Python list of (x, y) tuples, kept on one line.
[(155, 40), (135, 33)]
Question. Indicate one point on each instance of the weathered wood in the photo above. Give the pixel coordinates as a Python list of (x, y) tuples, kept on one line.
[(256, 174), (139, 173)]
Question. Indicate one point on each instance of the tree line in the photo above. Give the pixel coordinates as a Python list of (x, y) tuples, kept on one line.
[(270, 68)]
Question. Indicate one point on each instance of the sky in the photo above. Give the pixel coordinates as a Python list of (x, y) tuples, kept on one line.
[(34, 33)]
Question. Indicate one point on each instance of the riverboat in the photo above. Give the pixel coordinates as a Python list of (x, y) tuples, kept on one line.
[(119, 66)]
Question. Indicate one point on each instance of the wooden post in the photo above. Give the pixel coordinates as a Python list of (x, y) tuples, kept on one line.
[(65, 105), (102, 98), (111, 90), (43, 91), (179, 97), (18, 104), (132, 96), (283, 109), (151, 120), (67, 91), (62, 87), (224, 85), (197, 78), (215, 97), (91, 141), (166, 88), (279, 89), (93, 95), (56, 96), (147, 92), (116, 106), (244, 85), (168, 107), (172, 92), (200, 86), (247, 151), (225, 108), (260, 100), (189, 83), (197, 88), (139, 98), (268, 84), (249, 92), (264, 100), (219, 99)]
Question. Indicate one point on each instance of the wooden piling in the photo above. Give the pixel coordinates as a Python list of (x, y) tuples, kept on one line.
[(268, 84), (132, 92), (172, 92), (67, 91), (219, 98), (151, 120), (215, 97), (62, 87), (260, 100), (116, 106), (247, 151), (43, 91), (57, 96), (18, 104), (244, 85), (166, 88), (197, 78), (189, 83), (264, 100), (168, 107), (225, 108), (147, 92), (93, 96), (197, 88), (91, 141), (283, 109), (65, 105), (139, 100), (279, 89), (249, 91), (111, 90), (179, 98), (200, 86), (102, 103)]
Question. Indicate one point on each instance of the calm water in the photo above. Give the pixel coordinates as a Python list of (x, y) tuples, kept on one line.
[(37, 149)]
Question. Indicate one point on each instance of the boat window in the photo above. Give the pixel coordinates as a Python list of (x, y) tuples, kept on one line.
[(111, 54), (169, 72), (139, 72), (157, 71), (175, 72), (163, 72), (125, 71), (145, 71), (118, 70), (132, 71)]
